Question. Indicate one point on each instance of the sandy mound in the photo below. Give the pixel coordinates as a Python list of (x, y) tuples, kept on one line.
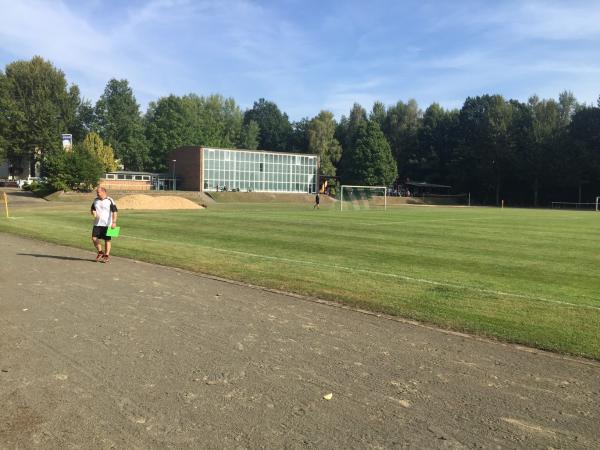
[(141, 201)]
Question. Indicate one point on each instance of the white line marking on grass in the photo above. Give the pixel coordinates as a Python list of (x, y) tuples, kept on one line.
[(421, 221), (367, 271), (374, 272)]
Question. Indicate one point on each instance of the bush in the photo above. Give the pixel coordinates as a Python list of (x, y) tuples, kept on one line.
[(77, 170), (40, 188)]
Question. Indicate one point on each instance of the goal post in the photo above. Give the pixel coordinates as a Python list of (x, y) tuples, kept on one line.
[(578, 206), (5, 201), (363, 197)]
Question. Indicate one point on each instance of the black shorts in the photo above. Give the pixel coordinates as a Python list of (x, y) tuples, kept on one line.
[(100, 233)]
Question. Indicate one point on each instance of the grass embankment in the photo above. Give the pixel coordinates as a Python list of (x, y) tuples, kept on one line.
[(265, 197), (525, 276), (76, 197)]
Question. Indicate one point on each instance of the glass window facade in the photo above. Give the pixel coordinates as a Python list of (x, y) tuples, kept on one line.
[(251, 171)]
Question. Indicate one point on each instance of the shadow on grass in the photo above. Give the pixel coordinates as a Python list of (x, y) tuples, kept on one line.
[(64, 258)]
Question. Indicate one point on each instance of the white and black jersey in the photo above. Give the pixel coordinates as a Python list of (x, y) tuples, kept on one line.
[(104, 211)]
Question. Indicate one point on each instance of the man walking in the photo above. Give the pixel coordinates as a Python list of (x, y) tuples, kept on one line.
[(317, 201), (105, 214)]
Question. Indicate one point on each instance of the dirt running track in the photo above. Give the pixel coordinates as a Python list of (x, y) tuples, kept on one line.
[(131, 355)]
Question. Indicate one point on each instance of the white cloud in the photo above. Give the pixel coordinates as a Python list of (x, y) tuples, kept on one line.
[(524, 19), (242, 37), (31, 27), (425, 50), (555, 20), (57, 33)]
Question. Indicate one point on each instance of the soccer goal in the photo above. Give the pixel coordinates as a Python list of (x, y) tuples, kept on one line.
[(579, 206), (363, 197)]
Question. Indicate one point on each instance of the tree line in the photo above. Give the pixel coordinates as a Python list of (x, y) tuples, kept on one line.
[(528, 153)]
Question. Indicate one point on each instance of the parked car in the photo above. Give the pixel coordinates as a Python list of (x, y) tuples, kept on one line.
[(8, 183)]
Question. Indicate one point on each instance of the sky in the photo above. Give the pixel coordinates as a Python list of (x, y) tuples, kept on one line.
[(310, 55)]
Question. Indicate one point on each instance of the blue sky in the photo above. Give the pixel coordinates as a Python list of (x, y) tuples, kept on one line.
[(309, 55)]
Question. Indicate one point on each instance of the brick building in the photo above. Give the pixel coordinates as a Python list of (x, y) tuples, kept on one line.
[(132, 181), (213, 169)]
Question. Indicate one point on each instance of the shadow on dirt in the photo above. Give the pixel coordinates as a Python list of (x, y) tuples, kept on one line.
[(64, 258)]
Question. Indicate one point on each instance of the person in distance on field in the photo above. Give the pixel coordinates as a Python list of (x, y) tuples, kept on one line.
[(105, 214), (317, 201)]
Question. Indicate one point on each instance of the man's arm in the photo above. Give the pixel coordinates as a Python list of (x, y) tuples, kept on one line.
[(115, 213)]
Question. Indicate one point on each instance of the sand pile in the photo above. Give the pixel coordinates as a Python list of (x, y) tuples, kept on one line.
[(141, 201)]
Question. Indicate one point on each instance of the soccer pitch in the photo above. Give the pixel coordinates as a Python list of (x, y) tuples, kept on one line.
[(526, 276)]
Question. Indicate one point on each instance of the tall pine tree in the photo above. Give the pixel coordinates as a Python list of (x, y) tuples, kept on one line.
[(119, 123), (371, 163)]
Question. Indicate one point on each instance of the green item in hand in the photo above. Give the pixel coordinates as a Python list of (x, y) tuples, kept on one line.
[(113, 232)]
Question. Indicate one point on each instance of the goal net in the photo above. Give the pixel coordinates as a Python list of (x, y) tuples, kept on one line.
[(579, 206), (363, 197), (446, 199)]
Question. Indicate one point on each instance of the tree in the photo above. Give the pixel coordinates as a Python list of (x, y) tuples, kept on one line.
[(75, 170), (378, 114), (437, 141), (486, 155), (519, 144), (322, 142), (583, 153), (567, 106), (213, 121), (193, 120), (249, 136), (103, 153), (120, 124), (84, 120), (168, 126), (6, 112), (298, 141), (347, 135), (36, 108), (77, 114), (347, 130), (274, 125), (401, 128), (372, 162), (220, 121), (538, 157)]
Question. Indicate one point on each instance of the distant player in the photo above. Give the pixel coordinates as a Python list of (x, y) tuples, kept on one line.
[(317, 201), (105, 214)]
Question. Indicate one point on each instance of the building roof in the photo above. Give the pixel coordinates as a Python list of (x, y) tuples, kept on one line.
[(426, 185), (273, 152), (131, 172)]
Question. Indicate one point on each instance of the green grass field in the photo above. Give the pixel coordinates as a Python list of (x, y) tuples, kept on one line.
[(526, 276)]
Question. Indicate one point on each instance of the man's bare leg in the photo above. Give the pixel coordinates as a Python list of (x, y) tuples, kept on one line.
[(97, 244)]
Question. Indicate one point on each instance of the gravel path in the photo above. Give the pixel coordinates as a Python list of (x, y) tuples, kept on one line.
[(132, 355)]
